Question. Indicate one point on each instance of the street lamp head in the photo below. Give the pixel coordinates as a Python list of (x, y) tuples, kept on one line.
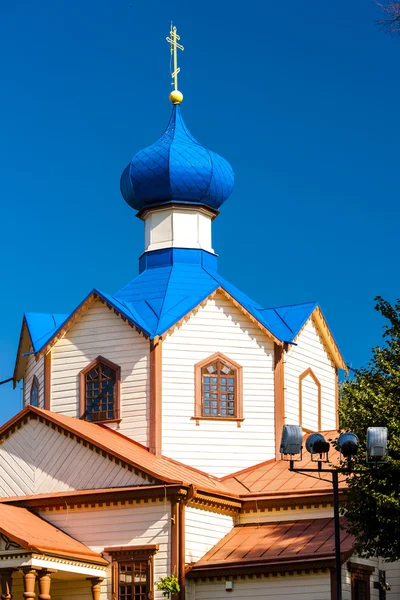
[(317, 445), (291, 441), (348, 444), (376, 444)]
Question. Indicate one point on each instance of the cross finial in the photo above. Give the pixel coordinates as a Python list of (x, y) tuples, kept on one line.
[(176, 96)]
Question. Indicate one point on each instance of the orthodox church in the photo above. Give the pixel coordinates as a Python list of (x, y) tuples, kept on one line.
[(148, 443)]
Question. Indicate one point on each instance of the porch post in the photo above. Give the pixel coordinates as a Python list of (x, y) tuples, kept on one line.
[(96, 586), (44, 585), (6, 584), (29, 577)]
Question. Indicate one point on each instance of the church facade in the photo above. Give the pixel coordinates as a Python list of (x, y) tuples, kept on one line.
[(148, 444)]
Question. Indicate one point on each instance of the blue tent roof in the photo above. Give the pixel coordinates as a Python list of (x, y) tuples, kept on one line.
[(171, 284)]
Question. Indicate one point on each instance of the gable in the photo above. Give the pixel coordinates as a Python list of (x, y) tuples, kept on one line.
[(37, 458), (218, 446), (310, 399), (101, 332)]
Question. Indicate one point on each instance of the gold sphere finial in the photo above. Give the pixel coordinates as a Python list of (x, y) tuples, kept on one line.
[(176, 97)]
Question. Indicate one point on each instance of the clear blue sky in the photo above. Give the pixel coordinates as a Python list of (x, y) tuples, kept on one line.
[(301, 97)]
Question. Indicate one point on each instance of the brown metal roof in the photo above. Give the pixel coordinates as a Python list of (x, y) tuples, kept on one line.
[(273, 478), (160, 468), (270, 479), (280, 544), (37, 535)]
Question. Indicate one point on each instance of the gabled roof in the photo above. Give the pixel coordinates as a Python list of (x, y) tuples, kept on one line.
[(281, 546), (37, 535), (129, 452), (42, 327)]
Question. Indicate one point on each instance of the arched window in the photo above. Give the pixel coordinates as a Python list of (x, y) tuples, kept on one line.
[(34, 397), (218, 389), (99, 391)]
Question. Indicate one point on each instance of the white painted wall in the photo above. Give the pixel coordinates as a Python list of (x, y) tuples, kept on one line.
[(310, 352), (392, 577), (136, 524), (34, 367), (218, 447), (100, 331), (204, 529), (289, 514), (301, 587), (177, 228), (37, 459)]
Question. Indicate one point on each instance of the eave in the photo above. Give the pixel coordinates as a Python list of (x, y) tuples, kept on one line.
[(264, 567)]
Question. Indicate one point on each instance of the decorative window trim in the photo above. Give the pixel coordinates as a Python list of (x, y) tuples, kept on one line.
[(198, 416), (120, 554), (34, 383), (361, 573), (82, 388), (310, 372)]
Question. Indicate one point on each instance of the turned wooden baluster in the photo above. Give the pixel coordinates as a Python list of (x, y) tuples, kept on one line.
[(44, 585), (6, 584), (29, 578), (96, 587)]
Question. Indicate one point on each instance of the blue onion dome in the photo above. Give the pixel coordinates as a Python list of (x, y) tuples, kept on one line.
[(177, 169)]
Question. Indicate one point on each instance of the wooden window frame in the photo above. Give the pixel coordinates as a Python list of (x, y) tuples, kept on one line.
[(35, 382), (117, 398), (121, 554), (361, 573), (198, 413), (310, 372)]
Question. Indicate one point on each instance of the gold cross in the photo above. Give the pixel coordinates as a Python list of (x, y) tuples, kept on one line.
[(173, 41)]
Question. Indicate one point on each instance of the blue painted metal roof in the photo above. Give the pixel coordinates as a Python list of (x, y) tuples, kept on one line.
[(171, 283), (176, 168), (42, 327)]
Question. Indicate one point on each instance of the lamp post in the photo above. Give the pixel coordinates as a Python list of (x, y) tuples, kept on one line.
[(348, 444)]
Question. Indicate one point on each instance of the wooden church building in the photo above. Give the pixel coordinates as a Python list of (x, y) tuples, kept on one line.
[(148, 443)]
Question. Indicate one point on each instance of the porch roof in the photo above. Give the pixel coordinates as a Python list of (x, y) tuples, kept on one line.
[(34, 534), (279, 546)]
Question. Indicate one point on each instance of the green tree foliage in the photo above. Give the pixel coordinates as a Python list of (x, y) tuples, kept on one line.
[(373, 398)]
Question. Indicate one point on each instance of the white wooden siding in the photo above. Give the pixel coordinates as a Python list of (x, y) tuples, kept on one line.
[(393, 578), (137, 524), (101, 332), (310, 353), (302, 587), (203, 530), (37, 459), (285, 514), (34, 367), (218, 447)]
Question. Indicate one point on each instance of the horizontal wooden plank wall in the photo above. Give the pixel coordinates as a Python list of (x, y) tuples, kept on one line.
[(33, 368), (285, 514), (218, 447), (302, 587), (101, 332), (310, 353), (37, 459), (203, 530), (137, 524)]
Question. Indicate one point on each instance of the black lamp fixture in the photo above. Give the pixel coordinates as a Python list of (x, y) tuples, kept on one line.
[(348, 444)]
